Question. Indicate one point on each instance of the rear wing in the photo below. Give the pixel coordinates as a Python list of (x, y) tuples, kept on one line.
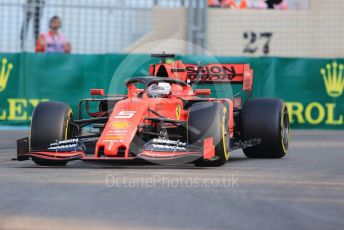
[(207, 74), (221, 74)]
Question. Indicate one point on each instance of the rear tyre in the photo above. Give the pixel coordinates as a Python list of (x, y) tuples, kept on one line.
[(266, 120), (210, 119), (50, 123)]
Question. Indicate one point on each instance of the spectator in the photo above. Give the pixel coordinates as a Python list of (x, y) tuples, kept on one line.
[(234, 4), (214, 3), (250, 4), (53, 41), (257, 4), (277, 4), (32, 9)]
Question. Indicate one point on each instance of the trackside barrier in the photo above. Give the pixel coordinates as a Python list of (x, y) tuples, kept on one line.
[(312, 88)]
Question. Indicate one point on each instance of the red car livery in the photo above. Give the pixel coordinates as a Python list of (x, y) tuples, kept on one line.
[(182, 126)]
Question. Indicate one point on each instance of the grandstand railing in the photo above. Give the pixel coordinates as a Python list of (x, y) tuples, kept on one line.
[(91, 26)]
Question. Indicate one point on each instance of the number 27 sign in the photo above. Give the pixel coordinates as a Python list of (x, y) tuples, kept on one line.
[(255, 41)]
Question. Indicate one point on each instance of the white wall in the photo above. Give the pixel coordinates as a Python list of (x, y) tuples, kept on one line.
[(317, 32)]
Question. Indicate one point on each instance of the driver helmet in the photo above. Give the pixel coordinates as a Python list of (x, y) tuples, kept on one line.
[(161, 89)]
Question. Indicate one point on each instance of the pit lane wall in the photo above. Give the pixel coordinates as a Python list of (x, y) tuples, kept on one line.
[(312, 88)]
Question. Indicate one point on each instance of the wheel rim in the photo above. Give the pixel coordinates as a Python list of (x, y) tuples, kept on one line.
[(285, 130), (225, 134)]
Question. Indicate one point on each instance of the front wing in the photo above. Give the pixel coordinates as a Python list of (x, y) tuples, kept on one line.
[(159, 155)]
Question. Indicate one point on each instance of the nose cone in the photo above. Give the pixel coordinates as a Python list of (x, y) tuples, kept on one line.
[(121, 128)]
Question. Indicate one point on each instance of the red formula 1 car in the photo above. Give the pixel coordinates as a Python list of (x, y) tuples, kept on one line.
[(163, 120)]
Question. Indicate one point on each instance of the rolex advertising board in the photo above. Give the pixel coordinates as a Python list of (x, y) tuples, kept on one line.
[(311, 88)]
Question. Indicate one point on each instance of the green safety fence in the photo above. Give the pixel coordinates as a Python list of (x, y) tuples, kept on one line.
[(312, 88)]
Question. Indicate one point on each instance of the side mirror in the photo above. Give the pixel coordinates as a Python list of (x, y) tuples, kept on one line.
[(97, 92), (202, 92)]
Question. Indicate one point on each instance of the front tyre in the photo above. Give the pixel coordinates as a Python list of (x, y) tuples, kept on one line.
[(50, 123), (210, 119), (267, 121)]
